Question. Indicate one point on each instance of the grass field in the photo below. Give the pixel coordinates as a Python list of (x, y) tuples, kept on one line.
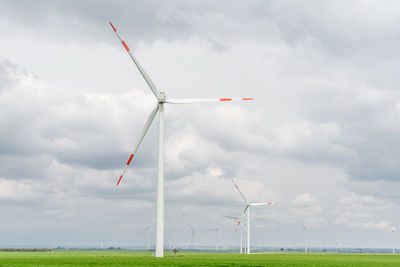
[(130, 258)]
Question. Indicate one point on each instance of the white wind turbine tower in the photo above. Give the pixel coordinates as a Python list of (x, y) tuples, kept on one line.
[(161, 100), (305, 228), (247, 210)]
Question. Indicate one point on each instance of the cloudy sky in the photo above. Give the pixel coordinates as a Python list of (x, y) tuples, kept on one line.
[(321, 137)]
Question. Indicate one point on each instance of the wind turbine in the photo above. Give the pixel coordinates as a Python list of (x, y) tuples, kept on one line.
[(148, 229), (393, 236), (247, 210), (217, 235), (305, 228), (192, 239), (161, 100)]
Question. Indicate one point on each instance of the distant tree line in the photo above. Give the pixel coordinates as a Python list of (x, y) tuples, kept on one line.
[(25, 249)]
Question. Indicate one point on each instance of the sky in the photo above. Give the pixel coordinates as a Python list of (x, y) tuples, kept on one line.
[(321, 136)]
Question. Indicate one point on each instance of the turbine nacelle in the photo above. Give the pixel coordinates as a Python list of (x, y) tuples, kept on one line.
[(162, 97)]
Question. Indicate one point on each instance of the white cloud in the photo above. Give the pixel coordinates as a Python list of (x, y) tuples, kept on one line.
[(305, 199), (18, 191), (363, 212)]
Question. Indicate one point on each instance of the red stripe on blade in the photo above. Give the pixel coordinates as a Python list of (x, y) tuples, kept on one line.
[(119, 180), (113, 27), (225, 99), (129, 160), (247, 98), (126, 47)]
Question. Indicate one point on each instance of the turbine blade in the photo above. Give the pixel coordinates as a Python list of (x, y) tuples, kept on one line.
[(301, 221), (264, 203), (232, 218), (192, 239), (237, 187), (244, 213), (242, 216), (144, 74), (200, 100), (145, 229), (144, 131)]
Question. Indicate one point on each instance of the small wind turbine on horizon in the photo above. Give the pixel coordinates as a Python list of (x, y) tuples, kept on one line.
[(159, 108), (305, 228), (393, 242), (192, 236), (216, 229), (148, 229), (247, 210)]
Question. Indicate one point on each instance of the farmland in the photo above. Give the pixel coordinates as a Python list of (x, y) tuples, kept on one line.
[(134, 258)]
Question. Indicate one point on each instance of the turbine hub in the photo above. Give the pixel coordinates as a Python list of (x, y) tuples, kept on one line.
[(161, 97)]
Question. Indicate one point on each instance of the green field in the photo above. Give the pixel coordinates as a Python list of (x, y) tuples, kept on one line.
[(130, 258)]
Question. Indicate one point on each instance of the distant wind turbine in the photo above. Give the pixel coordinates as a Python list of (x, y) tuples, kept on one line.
[(192, 237), (393, 236), (148, 229), (217, 235), (305, 228), (159, 108), (247, 210)]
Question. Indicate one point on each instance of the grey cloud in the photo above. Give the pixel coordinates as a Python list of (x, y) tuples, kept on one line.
[(216, 22), (38, 121), (104, 158), (325, 113), (34, 167), (142, 18)]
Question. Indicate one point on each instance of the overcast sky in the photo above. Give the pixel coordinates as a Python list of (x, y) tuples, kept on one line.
[(321, 136)]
